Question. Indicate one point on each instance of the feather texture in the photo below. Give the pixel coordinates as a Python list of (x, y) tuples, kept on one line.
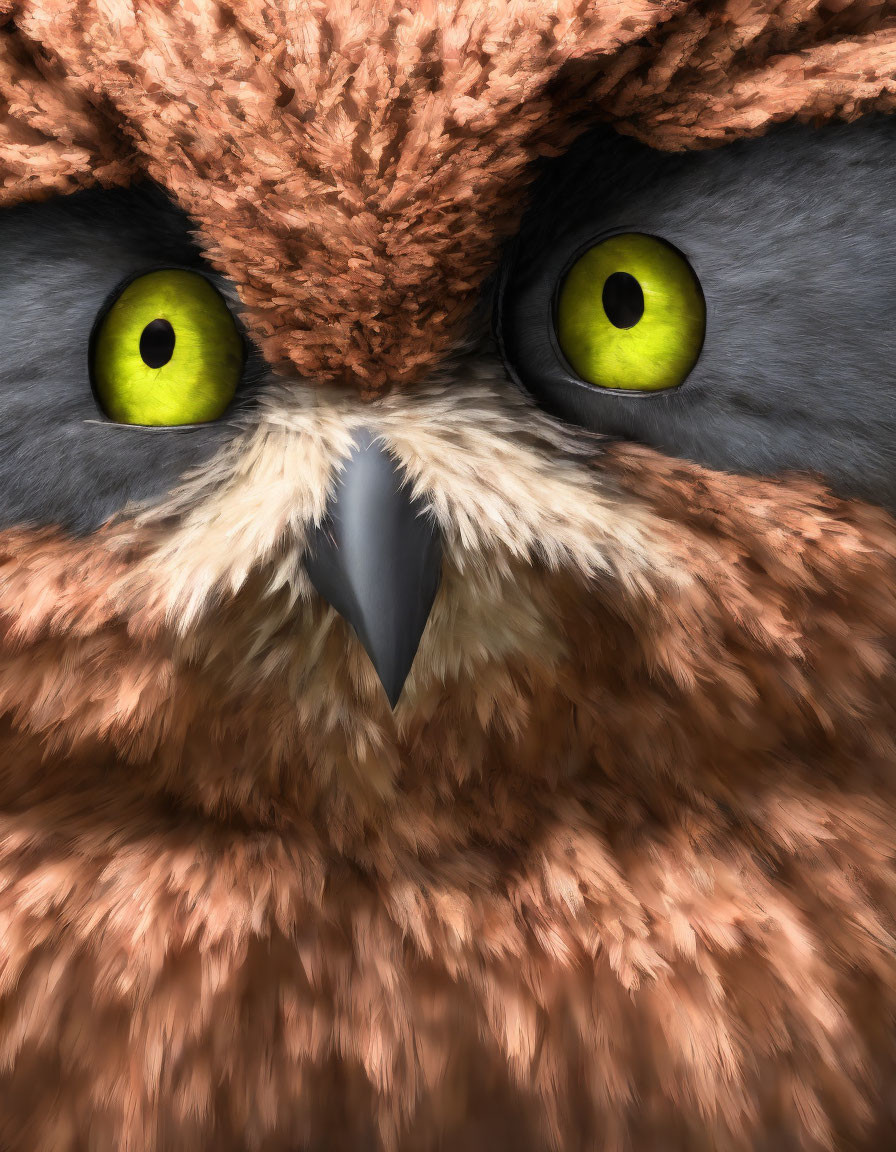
[(618, 873), (367, 158)]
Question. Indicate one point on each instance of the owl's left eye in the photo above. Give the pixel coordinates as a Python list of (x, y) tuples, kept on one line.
[(623, 315), (167, 352), (630, 314)]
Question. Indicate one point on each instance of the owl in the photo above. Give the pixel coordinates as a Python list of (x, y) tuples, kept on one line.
[(447, 576)]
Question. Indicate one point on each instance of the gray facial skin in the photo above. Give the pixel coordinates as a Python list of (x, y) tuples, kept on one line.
[(61, 461), (791, 236)]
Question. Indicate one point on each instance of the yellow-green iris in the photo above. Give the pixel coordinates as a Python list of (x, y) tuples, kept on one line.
[(631, 314), (167, 352)]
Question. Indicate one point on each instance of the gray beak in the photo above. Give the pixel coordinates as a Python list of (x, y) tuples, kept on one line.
[(377, 559)]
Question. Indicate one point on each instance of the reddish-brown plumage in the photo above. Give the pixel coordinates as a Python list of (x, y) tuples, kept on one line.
[(681, 864), (619, 872)]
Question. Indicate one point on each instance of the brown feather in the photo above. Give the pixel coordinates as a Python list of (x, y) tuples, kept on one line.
[(618, 872)]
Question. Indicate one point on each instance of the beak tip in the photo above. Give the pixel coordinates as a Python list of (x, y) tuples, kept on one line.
[(393, 693), (391, 670)]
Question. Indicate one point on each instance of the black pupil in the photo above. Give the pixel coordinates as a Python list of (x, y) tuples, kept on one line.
[(623, 300), (157, 343)]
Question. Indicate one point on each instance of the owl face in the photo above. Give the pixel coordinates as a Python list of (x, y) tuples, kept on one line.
[(447, 577), (710, 351)]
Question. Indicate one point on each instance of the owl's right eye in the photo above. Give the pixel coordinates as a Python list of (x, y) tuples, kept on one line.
[(167, 352)]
